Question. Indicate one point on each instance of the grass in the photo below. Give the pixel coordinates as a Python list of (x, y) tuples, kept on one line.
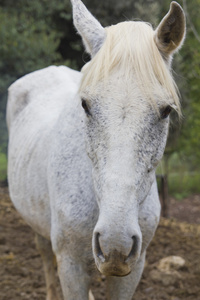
[(182, 182), (3, 166)]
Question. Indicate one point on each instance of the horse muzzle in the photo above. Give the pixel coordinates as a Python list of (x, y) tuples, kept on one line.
[(116, 259)]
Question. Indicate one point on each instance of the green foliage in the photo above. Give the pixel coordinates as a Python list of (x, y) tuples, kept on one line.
[(25, 45), (3, 166), (181, 185), (114, 11), (182, 179), (189, 142)]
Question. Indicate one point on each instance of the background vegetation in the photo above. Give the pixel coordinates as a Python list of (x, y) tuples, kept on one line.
[(36, 34)]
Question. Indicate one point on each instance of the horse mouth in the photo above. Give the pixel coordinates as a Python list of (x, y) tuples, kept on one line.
[(114, 269)]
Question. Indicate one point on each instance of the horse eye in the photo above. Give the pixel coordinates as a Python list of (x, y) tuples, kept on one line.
[(85, 107), (165, 112)]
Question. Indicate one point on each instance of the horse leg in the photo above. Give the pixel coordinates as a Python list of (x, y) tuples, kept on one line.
[(73, 277), (123, 288), (48, 258)]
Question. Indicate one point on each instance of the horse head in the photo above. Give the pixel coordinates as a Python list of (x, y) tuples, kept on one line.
[(127, 93)]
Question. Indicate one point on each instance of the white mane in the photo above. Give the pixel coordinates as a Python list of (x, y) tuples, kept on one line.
[(130, 47)]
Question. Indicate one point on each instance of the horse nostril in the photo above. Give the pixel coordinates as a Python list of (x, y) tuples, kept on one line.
[(97, 249), (134, 248)]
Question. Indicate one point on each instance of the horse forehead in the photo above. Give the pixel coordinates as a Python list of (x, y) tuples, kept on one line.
[(122, 102), (123, 92), (123, 118)]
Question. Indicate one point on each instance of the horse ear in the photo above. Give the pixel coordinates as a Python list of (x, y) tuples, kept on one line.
[(91, 31), (170, 33)]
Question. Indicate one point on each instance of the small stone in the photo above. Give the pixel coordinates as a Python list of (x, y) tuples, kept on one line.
[(148, 290), (171, 263), (166, 271)]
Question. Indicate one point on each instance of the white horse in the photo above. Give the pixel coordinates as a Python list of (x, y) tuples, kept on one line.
[(83, 148)]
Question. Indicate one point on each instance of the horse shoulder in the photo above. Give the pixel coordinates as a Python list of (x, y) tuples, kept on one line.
[(38, 83)]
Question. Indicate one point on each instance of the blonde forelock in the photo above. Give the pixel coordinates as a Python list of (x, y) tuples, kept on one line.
[(130, 47)]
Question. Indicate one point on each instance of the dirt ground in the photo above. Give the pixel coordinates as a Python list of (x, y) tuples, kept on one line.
[(21, 273)]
